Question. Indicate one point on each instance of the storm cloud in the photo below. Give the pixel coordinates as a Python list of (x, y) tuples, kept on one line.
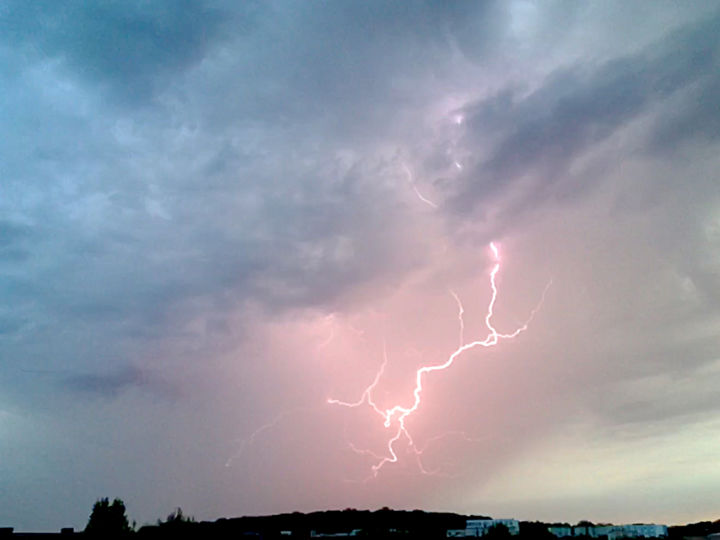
[(214, 217)]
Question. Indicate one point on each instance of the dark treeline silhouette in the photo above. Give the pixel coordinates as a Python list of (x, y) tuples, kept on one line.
[(109, 520), (383, 523), (694, 530)]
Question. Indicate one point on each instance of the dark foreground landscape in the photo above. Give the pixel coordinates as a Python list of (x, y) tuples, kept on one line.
[(108, 520)]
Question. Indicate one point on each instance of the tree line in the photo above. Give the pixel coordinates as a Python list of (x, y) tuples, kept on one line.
[(109, 520)]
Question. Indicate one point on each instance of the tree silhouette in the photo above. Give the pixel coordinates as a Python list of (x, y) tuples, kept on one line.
[(177, 516), (108, 519)]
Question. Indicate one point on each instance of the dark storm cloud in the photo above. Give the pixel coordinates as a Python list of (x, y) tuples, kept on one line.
[(183, 182), (541, 133), (284, 60), (133, 46), (13, 237), (694, 119), (112, 383), (10, 325), (344, 68), (667, 398), (107, 384), (11, 233)]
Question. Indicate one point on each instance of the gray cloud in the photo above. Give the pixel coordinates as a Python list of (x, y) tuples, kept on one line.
[(202, 202), (12, 239), (542, 133), (130, 45), (110, 384)]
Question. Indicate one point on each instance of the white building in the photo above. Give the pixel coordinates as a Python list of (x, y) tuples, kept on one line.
[(639, 530), (612, 532), (480, 527), (354, 532)]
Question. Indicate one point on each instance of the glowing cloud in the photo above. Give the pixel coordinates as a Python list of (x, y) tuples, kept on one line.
[(398, 414)]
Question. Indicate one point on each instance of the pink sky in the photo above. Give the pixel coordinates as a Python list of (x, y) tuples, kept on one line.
[(213, 220)]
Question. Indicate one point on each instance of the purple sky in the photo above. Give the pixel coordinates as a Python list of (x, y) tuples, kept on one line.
[(214, 216)]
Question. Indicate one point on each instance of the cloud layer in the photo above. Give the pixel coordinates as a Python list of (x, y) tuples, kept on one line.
[(213, 218)]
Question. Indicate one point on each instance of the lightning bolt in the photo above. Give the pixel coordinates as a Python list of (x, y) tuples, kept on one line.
[(416, 190), (245, 443), (398, 414), (419, 451), (331, 320), (461, 312), (366, 396)]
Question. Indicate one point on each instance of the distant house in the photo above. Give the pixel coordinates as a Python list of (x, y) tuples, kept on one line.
[(612, 532), (66, 532), (480, 527), (561, 531), (354, 532)]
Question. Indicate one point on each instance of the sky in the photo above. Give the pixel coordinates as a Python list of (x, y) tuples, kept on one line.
[(217, 216)]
